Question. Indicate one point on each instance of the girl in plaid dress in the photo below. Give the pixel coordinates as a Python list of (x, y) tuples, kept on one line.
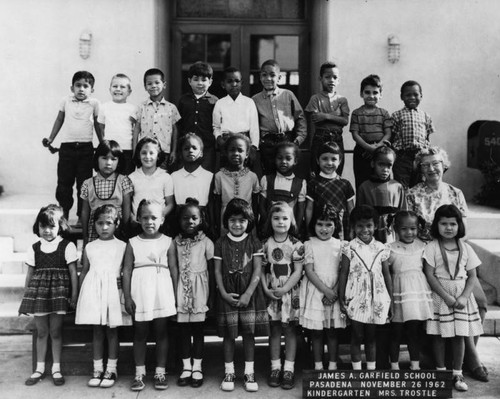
[(450, 266), (108, 186), (51, 287), (328, 188)]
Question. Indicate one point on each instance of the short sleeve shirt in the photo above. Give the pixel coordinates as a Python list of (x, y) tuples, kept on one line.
[(119, 119), (155, 187), (336, 105), (370, 124), (468, 261), (79, 117), (48, 247)]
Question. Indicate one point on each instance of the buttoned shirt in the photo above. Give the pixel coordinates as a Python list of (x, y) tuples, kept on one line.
[(280, 112), (236, 116), (194, 184), (157, 120), (324, 103), (411, 129), (196, 114), (79, 116)]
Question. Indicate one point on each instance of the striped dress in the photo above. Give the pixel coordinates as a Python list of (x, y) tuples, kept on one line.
[(451, 271)]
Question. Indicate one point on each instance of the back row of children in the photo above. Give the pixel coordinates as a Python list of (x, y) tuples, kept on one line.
[(271, 116), (260, 289)]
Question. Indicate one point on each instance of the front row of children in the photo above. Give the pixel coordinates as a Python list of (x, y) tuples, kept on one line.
[(261, 289)]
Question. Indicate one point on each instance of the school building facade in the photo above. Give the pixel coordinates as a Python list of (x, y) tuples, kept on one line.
[(449, 46)]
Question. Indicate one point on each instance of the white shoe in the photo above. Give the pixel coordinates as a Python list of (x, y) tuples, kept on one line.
[(228, 382), (459, 383), (250, 384), (108, 380), (96, 379)]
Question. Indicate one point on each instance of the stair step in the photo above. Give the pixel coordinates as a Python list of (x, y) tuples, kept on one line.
[(11, 322), (489, 291), (13, 263), (483, 222), (491, 324), (488, 251), (6, 246), (12, 287)]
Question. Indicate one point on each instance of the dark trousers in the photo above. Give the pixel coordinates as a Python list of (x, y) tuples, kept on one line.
[(361, 165), (75, 164), (321, 137), (403, 169), (128, 163)]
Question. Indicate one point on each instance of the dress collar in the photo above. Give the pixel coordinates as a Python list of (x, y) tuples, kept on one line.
[(237, 239), (290, 177)]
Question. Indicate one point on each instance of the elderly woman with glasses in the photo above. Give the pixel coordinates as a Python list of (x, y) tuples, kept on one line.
[(424, 199)]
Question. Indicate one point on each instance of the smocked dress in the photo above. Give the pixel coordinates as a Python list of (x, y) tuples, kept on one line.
[(326, 257), (450, 268), (49, 289), (192, 290), (281, 259), (151, 287), (366, 297), (411, 292), (99, 191), (236, 255), (100, 300)]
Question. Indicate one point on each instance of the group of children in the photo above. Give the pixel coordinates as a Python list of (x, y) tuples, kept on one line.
[(170, 265)]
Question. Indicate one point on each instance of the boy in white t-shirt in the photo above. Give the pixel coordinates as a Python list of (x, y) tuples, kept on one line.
[(117, 118)]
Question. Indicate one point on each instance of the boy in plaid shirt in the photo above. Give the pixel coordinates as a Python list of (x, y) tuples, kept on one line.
[(410, 133)]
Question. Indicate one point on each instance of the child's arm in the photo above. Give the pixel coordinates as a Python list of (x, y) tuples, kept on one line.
[(342, 119), (57, 126), (362, 143), (102, 127), (436, 285), (135, 135), (85, 269), (85, 221), (128, 265), (74, 284), (300, 208), (173, 266), (300, 121), (231, 297), (309, 211), (350, 205), (387, 277), (173, 145), (99, 133), (126, 207), (344, 273), (254, 281), (461, 301)]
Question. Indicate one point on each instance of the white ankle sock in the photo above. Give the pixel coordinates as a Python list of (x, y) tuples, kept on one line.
[(318, 365), (229, 368), (276, 364), (394, 365), (356, 365), (140, 370), (415, 364), (98, 365), (289, 366), (56, 368), (249, 368), (111, 366), (371, 365), (186, 364), (197, 364), (332, 365), (40, 367)]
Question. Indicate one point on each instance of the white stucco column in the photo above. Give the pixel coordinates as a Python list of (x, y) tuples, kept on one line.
[(322, 39)]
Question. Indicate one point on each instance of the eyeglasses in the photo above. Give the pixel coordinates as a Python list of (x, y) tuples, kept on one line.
[(435, 165)]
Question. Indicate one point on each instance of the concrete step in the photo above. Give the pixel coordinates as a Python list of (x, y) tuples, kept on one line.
[(11, 322), (12, 287), (13, 263), (6, 245), (483, 222), (488, 251)]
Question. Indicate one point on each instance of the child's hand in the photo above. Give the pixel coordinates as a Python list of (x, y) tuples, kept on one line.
[(172, 158), (279, 292), (270, 294), (460, 302), (319, 117), (130, 306), (243, 302), (231, 298), (73, 300), (450, 301), (331, 296), (343, 309)]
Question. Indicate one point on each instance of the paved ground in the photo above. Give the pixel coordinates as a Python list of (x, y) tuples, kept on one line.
[(15, 366)]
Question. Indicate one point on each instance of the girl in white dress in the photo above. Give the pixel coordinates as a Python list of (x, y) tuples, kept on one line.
[(284, 255), (149, 286), (319, 307), (195, 252), (365, 285), (412, 302), (100, 292)]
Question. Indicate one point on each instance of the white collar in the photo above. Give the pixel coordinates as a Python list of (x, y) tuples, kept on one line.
[(51, 244), (334, 175), (237, 239), (196, 173), (291, 177)]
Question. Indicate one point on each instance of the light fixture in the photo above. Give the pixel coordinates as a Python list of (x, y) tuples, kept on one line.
[(85, 44), (393, 48)]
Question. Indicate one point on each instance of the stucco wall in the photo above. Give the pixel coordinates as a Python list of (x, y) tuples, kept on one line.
[(40, 53), (450, 46)]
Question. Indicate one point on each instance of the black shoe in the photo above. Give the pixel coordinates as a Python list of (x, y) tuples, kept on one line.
[(33, 380), (197, 382), (184, 381), (288, 381), (274, 379)]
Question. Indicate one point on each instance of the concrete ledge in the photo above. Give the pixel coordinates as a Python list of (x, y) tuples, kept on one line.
[(489, 253)]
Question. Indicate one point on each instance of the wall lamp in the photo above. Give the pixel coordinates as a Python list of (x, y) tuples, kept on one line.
[(85, 44), (393, 49)]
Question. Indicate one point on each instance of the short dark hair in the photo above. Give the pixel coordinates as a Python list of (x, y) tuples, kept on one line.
[(50, 215), (361, 212), (398, 217), (330, 147), (238, 206), (237, 136), (83, 75), (191, 203), (271, 62), (146, 202), (142, 142), (228, 70), (280, 206), (382, 150), (107, 209), (326, 65), (287, 144), (371, 80), (200, 68), (410, 83), (326, 212), (104, 148), (189, 136), (154, 71), (448, 211)]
